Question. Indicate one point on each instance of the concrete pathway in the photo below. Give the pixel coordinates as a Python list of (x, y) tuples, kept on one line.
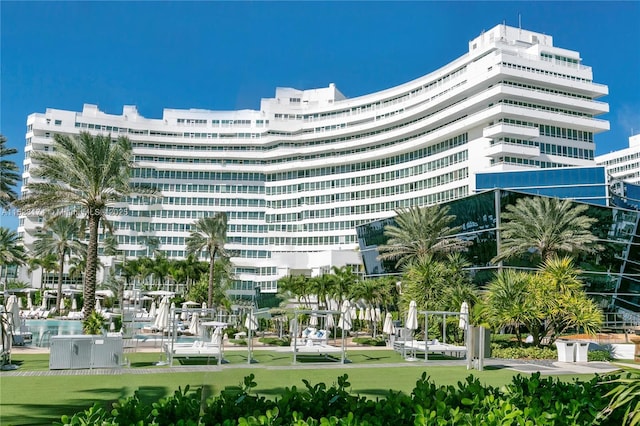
[(545, 368)]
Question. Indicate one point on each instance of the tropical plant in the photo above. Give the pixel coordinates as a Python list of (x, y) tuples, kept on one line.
[(542, 227), (418, 232), (9, 176), (94, 323), (46, 263), (83, 175), (424, 281), (298, 286), (60, 236), (11, 250), (625, 396), (548, 302), (209, 234)]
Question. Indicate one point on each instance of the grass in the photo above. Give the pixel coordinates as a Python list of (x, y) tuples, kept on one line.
[(43, 399)]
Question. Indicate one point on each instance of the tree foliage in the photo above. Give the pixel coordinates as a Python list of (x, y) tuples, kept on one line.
[(540, 227), (420, 232)]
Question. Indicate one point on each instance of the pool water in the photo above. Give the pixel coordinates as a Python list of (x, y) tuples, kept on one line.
[(51, 327), (42, 331)]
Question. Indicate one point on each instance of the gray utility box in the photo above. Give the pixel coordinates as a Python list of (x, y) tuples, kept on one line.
[(85, 351)]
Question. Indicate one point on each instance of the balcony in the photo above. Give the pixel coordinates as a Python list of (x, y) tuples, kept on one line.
[(510, 130), (501, 149)]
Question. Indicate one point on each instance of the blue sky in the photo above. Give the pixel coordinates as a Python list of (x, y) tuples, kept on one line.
[(229, 55)]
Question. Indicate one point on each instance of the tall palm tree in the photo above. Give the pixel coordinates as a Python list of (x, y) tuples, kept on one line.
[(84, 175), (60, 236), (421, 231), (542, 227), (9, 176), (209, 234), (11, 250)]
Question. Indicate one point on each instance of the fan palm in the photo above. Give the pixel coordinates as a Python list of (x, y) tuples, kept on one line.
[(209, 234), (60, 237), (11, 250), (545, 226), (8, 175), (420, 231), (84, 175)]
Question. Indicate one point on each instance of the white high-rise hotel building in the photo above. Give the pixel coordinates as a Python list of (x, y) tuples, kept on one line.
[(299, 174)]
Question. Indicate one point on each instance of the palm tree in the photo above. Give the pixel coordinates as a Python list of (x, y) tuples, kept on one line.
[(60, 237), (424, 281), (421, 231), (46, 263), (9, 176), (344, 278), (209, 234), (84, 175), (11, 250), (545, 226), (509, 301)]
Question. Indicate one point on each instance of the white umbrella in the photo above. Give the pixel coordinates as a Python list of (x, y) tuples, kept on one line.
[(293, 325), (184, 315), (377, 315), (14, 312), (251, 323), (329, 323), (98, 307), (367, 314), (194, 325), (464, 316), (162, 317), (388, 326), (44, 302), (412, 316), (354, 312), (153, 309), (216, 336), (74, 304), (313, 320), (19, 302), (204, 308), (345, 316), (361, 314), (29, 302)]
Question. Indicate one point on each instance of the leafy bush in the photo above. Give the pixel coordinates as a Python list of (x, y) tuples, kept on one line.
[(369, 341), (275, 341), (523, 352), (599, 355), (527, 400)]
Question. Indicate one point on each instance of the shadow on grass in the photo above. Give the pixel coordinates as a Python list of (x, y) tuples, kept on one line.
[(39, 414), (369, 358)]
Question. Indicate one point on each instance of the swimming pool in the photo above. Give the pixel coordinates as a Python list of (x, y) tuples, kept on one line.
[(43, 329)]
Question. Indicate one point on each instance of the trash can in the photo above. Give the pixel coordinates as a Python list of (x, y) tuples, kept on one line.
[(566, 351), (582, 351)]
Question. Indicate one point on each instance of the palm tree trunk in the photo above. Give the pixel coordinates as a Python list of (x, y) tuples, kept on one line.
[(91, 269), (60, 272), (211, 272)]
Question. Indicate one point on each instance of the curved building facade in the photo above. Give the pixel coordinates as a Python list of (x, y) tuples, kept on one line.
[(298, 175)]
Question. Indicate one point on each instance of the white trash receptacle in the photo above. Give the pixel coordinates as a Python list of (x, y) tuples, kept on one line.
[(582, 351), (566, 351)]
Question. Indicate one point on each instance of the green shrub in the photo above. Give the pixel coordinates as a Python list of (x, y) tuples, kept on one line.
[(530, 400), (599, 355), (369, 341), (523, 352), (275, 341)]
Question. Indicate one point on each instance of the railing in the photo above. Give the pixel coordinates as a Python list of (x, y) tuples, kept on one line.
[(47, 334), (625, 321)]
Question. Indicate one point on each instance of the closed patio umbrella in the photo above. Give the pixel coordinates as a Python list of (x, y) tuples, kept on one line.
[(388, 326), (162, 318), (74, 304), (194, 325), (412, 316), (464, 316), (345, 316)]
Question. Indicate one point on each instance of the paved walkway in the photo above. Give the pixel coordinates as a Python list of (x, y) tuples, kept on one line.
[(545, 368)]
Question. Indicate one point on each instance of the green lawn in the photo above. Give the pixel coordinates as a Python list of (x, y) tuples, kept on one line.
[(43, 399)]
